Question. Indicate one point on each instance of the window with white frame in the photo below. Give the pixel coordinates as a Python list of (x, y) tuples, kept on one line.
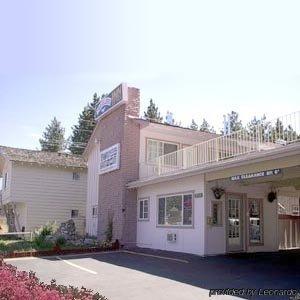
[(216, 213), (95, 211), (175, 210), (255, 213), (144, 209), (157, 148)]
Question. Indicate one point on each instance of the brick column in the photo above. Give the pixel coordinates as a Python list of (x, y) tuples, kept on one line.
[(115, 201)]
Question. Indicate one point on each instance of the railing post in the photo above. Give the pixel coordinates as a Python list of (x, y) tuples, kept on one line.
[(258, 137)]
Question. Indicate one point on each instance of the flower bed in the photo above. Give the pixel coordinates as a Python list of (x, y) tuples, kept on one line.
[(56, 250), (21, 285)]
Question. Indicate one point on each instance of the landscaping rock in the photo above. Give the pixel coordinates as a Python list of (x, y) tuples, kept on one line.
[(67, 230), (50, 238), (88, 241)]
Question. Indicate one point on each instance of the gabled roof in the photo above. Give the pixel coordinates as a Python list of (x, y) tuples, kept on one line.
[(42, 157)]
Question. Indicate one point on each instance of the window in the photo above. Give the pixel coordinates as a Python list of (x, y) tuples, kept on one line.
[(216, 213), (175, 210), (74, 213), (144, 209), (95, 211), (255, 221), (76, 176), (157, 148), (5, 180)]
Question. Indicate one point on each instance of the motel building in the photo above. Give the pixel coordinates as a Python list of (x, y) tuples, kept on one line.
[(166, 187)]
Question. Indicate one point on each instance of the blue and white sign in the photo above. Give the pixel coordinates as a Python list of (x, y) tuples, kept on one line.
[(110, 159), (256, 174), (114, 97), (103, 106)]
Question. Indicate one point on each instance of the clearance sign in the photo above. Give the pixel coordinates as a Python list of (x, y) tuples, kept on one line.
[(113, 98), (256, 175)]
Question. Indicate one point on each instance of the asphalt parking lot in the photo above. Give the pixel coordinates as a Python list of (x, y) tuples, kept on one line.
[(163, 275)]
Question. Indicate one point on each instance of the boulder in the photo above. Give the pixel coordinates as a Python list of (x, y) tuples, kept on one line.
[(67, 230)]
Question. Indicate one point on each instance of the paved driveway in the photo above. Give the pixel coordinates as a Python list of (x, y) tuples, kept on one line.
[(164, 275)]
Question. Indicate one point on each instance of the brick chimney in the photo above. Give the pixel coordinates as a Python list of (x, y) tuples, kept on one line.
[(117, 204)]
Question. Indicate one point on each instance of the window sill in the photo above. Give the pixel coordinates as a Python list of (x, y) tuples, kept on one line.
[(176, 226)]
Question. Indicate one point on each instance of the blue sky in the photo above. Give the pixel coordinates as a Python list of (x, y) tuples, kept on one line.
[(195, 58)]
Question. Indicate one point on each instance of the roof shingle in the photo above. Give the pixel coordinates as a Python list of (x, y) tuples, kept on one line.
[(43, 157)]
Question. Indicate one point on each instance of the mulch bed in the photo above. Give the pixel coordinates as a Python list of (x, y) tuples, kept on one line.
[(57, 251)]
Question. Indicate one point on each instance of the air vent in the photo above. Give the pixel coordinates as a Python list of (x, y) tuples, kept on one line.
[(171, 237)]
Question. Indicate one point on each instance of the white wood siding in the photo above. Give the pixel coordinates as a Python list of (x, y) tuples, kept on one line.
[(92, 190), (49, 193)]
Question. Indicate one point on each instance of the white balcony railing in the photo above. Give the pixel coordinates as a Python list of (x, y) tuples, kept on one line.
[(264, 135)]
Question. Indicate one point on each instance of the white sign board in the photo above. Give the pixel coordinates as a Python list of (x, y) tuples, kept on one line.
[(110, 159)]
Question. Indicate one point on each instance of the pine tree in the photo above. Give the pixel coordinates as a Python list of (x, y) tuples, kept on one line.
[(83, 130), (235, 122), (194, 125), (53, 137), (205, 127), (152, 112), (260, 127)]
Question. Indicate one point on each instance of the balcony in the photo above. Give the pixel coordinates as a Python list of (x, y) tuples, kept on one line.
[(263, 136)]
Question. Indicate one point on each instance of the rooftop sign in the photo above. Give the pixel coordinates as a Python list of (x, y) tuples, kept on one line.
[(256, 175), (113, 98)]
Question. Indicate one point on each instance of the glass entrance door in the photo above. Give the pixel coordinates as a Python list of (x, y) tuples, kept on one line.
[(234, 223)]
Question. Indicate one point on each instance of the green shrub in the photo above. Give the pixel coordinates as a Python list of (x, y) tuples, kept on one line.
[(109, 231), (41, 234), (60, 241), (47, 229)]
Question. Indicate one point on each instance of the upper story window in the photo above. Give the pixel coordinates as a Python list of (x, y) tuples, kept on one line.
[(157, 148), (5, 181), (76, 176)]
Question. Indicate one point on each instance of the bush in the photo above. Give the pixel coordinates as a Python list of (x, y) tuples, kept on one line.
[(60, 241), (26, 286), (41, 234), (47, 229), (109, 231)]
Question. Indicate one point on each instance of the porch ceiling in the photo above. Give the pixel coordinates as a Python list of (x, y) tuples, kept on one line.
[(289, 177)]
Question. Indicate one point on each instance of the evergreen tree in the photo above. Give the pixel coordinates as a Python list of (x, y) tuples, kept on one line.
[(258, 126), (152, 112), (83, 130), (235, 122), (194, 125), (53, 137), (205, 127), (280, 132)]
